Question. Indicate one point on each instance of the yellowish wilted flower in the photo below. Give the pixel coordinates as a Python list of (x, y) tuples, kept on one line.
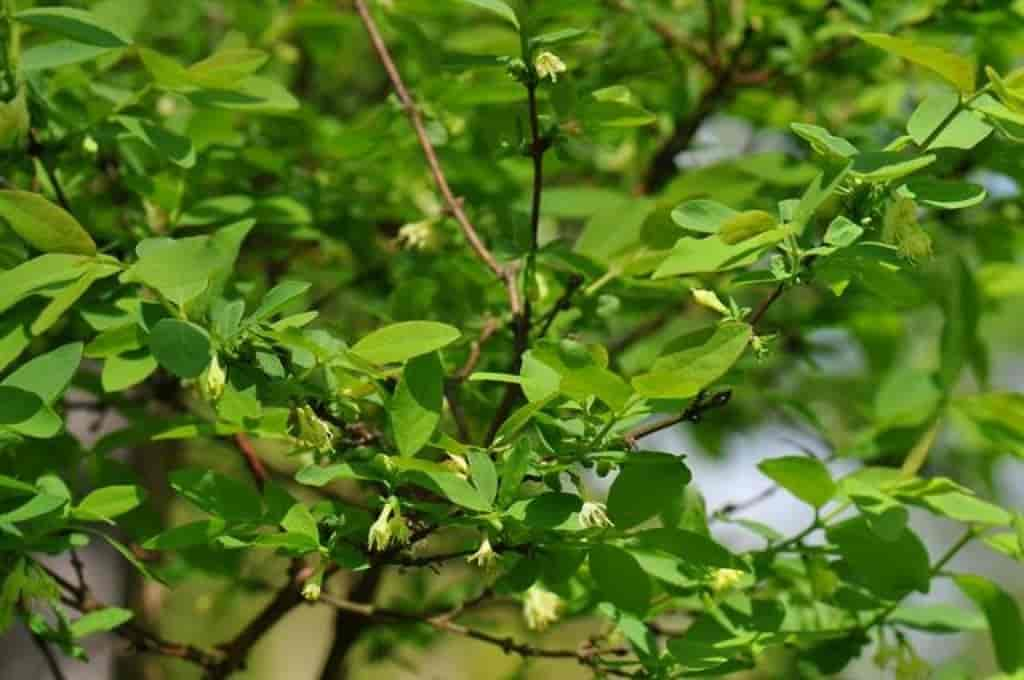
[(548, 65), (541, 608)]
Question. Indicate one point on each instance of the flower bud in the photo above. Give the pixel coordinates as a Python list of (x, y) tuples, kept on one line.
[(724, 580), (548, 65), (212, 381), (708, 298)]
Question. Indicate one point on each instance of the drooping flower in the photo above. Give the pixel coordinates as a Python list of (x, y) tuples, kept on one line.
[(314, 585), (484, 557), (548, 65), (313, 431), (594, 515), (417, 235), (379, 538), (541, 608)]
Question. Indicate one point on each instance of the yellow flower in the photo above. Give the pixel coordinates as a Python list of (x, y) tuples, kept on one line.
[(724, 580), (548, 65), (707, 298)]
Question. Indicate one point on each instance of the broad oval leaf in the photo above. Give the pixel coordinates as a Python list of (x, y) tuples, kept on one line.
[(620, 578), (76, 24), (181, 347), (806, 478), (395, 343), (682, 374), (952, 67)]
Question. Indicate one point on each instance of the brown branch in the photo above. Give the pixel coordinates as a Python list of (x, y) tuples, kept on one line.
[(693, 413), (504, 273), (443, 622), (475, 350), (346, 631), (252, 460), (51, 659), (563, 303), (766, 304)]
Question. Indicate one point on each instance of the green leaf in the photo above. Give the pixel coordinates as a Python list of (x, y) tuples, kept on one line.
[(965, 131), (702, 215), (886, 166), (514, 469), (950, 66), (181, 347), (437, 479), (944, 194), (889, 568), (66, 298), (620, 579), (127, 370), (395, 343), (109, 502), (48, 376), (43, 225), (75, 24), (38, 275), (746, 225), (276, 299), (415, 409), (938, 618), (59, 53), (175, 148), (930, 114), (37, 506), (682, 374), (217, 494), (648, 484), (965, 508), (253, 94), (497, 7), (823, 141), (226, 67), (1004, 619), (484, 474), (842, 232), (99, 622), (187, 535), (17, 405), (713, 254), (806, 478), (299, 520)]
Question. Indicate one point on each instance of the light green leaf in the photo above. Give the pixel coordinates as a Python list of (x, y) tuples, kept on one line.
[(938, 618), (299, 520), (75, 24), (127, 370), (497, 7), (174, 147), (513, 470), (181, 347), (932, 112), (99, 622), (707, 357), (1004, 619), (395, 343), (806, 478), (64, 300), (38, 275), (945, 194), (37, 506), (43, 225), (712, 254), (276, 299), (59, 53), (889, 568), (437, 479), (965, 508), (415, 409), (952, 67), (965, 132), (702, 215), (224, 68), (48, 376), (109, 502), (823, 141), (484, 474), (885, 166)]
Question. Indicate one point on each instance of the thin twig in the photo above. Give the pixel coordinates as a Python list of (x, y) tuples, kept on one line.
[(505, 274), (48, 655), (563, 303), (762, 308), (700, 405), (252, 460)]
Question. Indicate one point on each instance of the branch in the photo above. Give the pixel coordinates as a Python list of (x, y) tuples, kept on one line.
[(762, 308), (700, 405), (348, 632), (563, 303), (252, 460), (442, 622), (48, 655), (505, 274)]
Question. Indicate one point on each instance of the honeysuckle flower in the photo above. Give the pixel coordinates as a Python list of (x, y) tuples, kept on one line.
[(484, 557), (708, 298), (400, 534), (548, 65), (541, 608), (460, 464), (212, 381), (313, 432), (313, 586), (14, 121), (724, 580), (90, 145), (594, 516), (417, 235), (379, 538)]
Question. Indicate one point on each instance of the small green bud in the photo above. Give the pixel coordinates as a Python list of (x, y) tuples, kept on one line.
[(212, 381), (708, 298)]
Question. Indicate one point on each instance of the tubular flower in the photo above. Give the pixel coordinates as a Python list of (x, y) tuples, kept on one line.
[(418, 235), (484, 557), (541, 608), (314, 432), (380, 535), (548, 65), (594, 516)]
